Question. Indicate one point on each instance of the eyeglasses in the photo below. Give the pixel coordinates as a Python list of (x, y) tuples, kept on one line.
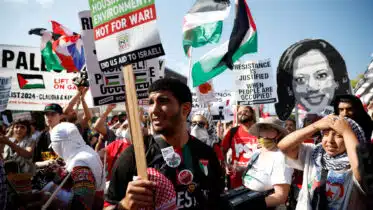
[(200, 124)]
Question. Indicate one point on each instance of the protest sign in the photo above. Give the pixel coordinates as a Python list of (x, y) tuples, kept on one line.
[(17, 115), (5, 86), (32, 86), (221, 109), (107, 86), (125, 32), (255, 82)]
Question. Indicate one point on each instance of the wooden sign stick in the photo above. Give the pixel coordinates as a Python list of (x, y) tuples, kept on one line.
[(134, 121)]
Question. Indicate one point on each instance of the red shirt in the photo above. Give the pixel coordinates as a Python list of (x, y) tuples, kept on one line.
[(113, 151), (243, 145)]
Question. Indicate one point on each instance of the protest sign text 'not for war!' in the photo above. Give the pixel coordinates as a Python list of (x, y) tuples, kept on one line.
[(107, 86), (125, 32), (255, 82)]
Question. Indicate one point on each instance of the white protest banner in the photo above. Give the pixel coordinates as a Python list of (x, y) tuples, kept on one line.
[(221, 109), (107, 85), (32, 86), (5, 86), (205, 93), (255, 82), (125, 31)]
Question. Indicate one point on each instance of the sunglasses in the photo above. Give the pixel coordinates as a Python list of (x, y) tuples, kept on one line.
[(199, 124)]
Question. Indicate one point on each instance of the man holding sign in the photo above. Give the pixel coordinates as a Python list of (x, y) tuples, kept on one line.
[(189, 164)]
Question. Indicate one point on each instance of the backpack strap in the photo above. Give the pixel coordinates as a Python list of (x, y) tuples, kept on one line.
[(253, 159), (233, 132)]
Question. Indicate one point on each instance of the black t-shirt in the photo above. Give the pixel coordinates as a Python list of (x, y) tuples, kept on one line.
[(207, 182)]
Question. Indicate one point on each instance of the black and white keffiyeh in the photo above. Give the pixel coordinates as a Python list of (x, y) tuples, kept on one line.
[(341, 161)]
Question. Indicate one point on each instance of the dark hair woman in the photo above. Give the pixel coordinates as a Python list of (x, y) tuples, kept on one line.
[(310, 72)]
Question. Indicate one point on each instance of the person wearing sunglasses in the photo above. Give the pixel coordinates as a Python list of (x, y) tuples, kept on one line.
[(267, 171)]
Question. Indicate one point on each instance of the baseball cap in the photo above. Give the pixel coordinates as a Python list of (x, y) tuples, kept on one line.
[(53, 108), (122, 114)]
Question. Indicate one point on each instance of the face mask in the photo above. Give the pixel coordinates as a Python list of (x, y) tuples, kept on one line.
[(200, 133), (267, 143), (127, 134)]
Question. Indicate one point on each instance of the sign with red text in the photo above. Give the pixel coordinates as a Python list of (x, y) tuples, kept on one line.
[(125, 31), (107, 86), (32, 86)]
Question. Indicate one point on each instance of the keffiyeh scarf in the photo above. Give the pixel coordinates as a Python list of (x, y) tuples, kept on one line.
[(340, 161)]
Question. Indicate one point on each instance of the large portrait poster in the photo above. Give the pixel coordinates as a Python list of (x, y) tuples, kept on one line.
[(310, 74), (32, 85)]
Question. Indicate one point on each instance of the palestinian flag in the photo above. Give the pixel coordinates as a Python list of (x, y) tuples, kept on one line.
[(243, 40), (52, 62), (203, 23), (30, 81), (141, 77), (112, 80), (203, 164)]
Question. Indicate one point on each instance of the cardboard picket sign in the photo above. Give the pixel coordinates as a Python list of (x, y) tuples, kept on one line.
[(5, 86), (125, 33), (107, 86), (255, 82), (310, 73)]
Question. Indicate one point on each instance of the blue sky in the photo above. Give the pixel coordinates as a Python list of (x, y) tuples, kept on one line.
[(346, 24)]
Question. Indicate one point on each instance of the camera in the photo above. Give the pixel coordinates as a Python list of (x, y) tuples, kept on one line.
[(82, 79)]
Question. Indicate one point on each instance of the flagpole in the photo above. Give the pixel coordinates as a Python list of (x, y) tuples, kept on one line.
[(190, 80), (296, 117)]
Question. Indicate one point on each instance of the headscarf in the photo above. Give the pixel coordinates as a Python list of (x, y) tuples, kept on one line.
[(361, 117), (211, 130), (69, 144), (341, 161)]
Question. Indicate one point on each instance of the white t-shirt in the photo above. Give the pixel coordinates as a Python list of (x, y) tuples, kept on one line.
[(268, 170), (342, 189)]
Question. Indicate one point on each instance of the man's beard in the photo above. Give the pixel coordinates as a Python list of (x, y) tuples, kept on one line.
[(174, 121), (245, 118)]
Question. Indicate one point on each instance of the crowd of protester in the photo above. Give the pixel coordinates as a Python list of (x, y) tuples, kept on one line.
[(321, 163)]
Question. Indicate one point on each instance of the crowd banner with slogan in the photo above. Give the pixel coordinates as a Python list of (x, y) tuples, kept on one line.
[(125, 31), (310, 73), (364, 88), (5, 86), (205, 93), (107, 86), (255, 82), (32, 86)]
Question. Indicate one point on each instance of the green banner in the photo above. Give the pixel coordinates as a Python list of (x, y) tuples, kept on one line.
[(105, 10)]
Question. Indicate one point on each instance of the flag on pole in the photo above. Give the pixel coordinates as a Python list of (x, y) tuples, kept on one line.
[(203, 23), (60, 29), (52, 62), (243, 40), (364, 88)]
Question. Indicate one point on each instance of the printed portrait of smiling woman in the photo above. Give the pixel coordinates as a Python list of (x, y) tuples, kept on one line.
[(310, 73)]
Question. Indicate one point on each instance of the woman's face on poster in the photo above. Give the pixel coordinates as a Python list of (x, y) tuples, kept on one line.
[(313, 81)]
